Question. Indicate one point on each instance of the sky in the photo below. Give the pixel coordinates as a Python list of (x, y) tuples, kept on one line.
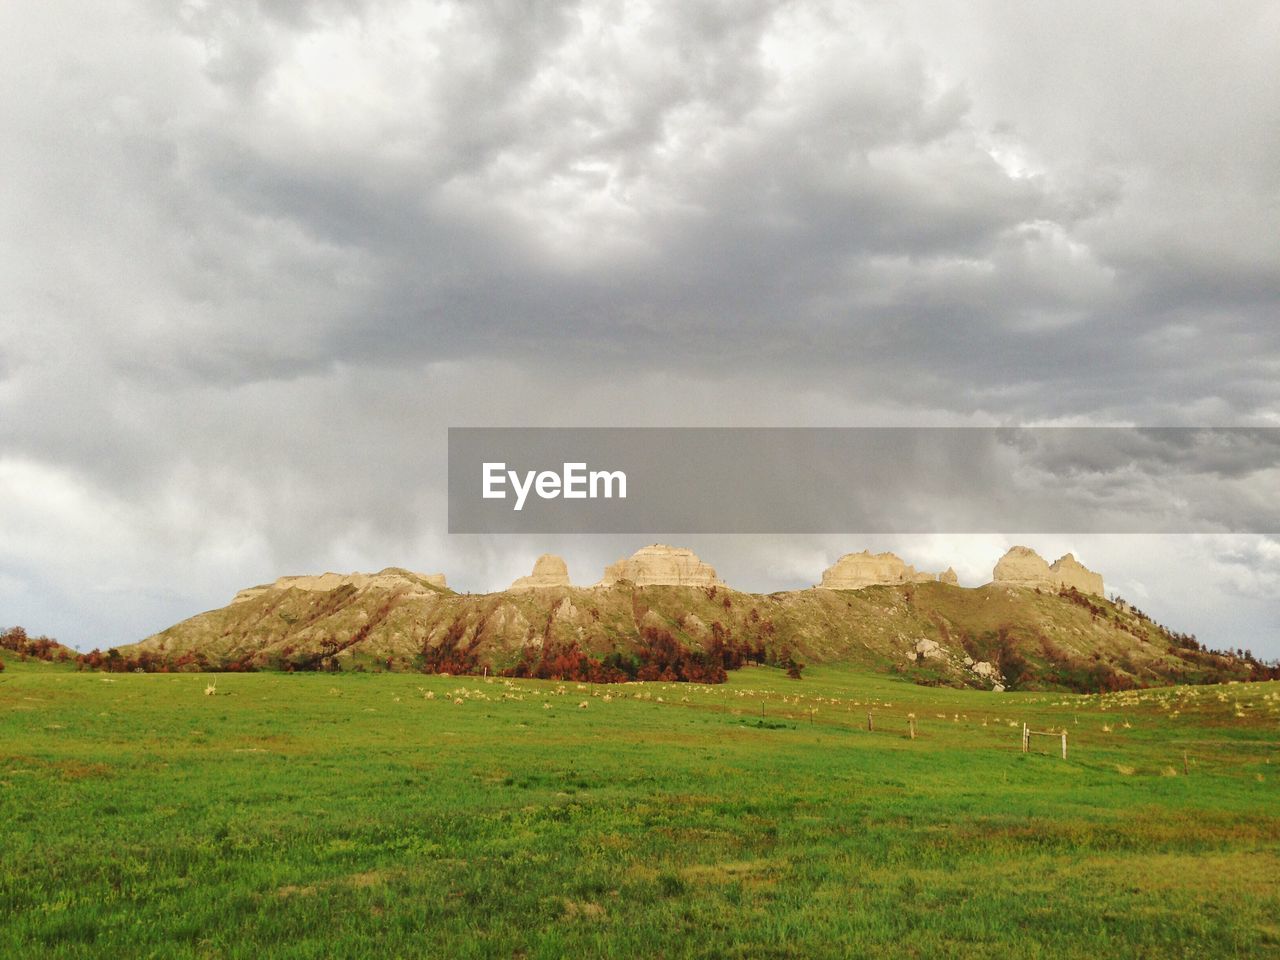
[(257, 256)]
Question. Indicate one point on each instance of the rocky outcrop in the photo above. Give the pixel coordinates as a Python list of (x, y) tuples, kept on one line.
[(548, 571), (1023, 567), (854, 571), (389, 579), (949, 576), (660, 564), (1070, 572)]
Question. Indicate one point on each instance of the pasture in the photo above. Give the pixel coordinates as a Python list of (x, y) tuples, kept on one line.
[(397, 815)]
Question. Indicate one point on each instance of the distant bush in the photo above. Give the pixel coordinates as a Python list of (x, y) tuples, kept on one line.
[(15, 639)]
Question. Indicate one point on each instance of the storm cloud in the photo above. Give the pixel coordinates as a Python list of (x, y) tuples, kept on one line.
[(259, 255)]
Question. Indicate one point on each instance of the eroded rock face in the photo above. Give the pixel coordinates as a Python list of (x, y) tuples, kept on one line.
[(949, 576), (1070, 572), (391, 578), (548, 571), (660, 564), (854, 571), (1023, 567)]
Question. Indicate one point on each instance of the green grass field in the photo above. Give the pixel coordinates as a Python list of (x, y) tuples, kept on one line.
[(392, 815)]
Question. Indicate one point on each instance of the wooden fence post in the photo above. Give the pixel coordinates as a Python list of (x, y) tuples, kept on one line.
[(1064, 744), (871, 724), (911, 726)]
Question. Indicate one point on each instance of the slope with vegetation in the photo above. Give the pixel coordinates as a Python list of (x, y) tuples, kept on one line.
[(997, 636)]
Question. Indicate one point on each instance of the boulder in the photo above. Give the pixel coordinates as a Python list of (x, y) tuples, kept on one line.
[(660, 564), (548, 571), (929, 650)]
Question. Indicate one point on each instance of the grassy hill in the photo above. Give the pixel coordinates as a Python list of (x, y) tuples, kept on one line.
[(933, 633)]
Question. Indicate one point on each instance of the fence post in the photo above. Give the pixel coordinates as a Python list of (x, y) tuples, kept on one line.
[(1064, 744), (871, 724), (1024, 738), (911, 725)]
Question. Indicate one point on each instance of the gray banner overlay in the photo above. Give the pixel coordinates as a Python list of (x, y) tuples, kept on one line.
[(865, 480)]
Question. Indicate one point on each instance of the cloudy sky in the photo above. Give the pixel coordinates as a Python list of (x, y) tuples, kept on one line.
[(256, 257)]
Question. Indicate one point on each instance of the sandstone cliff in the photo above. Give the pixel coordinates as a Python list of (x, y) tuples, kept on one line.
[(1070, 572), (854, 571), (660, 564), (1023, 567), (549, 570)]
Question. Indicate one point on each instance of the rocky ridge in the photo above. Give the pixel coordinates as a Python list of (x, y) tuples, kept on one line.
[(388, 578), (665, 611)]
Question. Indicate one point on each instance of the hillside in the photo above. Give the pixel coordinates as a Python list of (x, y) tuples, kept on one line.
[(992, 637)]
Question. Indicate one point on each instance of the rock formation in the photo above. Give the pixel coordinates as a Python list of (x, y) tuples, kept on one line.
[(1070, 572), (929, 650), (949, 576), (390, 578), (854, 571), (1023, 567), (660, 564), (549, 570), (398, 620)]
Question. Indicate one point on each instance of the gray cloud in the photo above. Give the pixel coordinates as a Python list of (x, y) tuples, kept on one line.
[(259, 254)]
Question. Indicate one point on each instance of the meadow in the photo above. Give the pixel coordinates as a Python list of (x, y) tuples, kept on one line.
[(400, 815)]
